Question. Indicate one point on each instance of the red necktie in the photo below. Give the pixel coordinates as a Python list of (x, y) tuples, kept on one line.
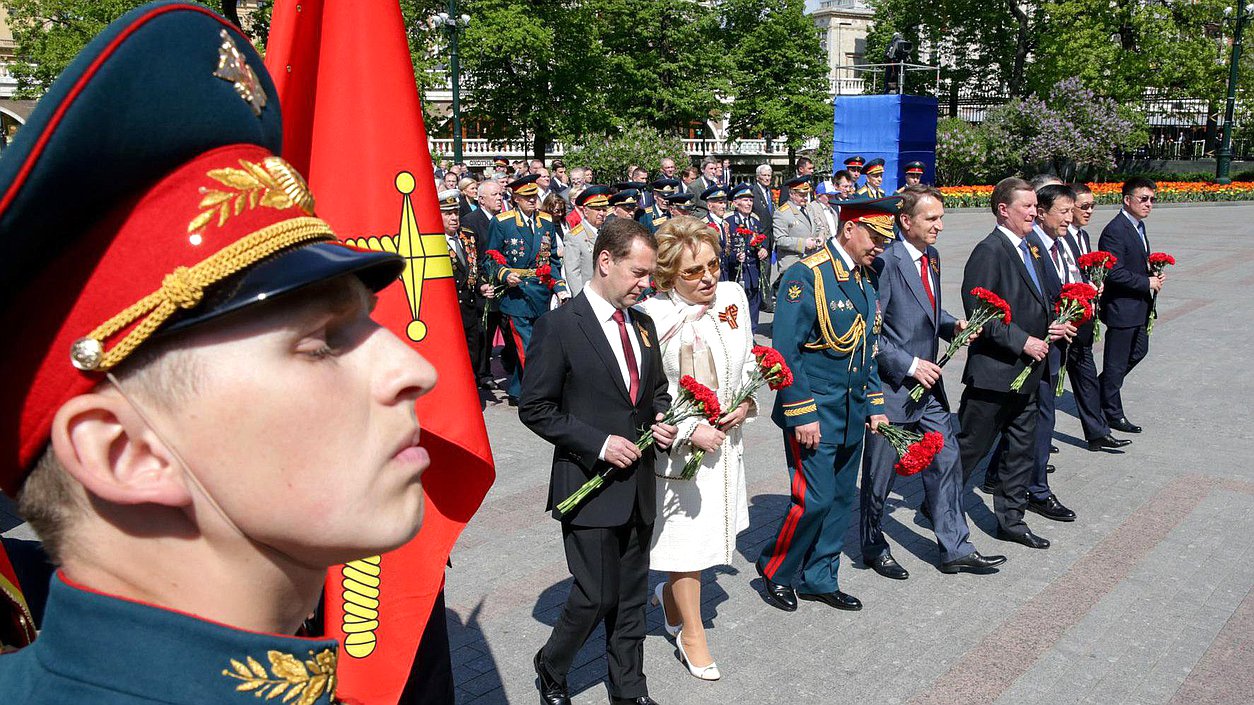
[(927, 281), (632, 373)]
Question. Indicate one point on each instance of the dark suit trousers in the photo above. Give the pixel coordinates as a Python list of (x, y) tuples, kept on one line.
[(610, 567), (1088, 397), (982, 415), (1046, 409), (1125, 347), (942, 488)]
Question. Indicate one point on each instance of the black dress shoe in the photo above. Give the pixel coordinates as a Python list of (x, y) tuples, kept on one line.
[(1108, 441), (1123, 424), (552, 691), (1049, 469), (1051, 508), (886, 566), (987, 488), (1053, 448), (837, 599), (1027, 538), (642, 700), (973, 562), (778, 596), (513, 401)]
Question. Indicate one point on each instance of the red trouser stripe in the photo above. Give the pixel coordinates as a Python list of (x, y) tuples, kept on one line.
[(518, 345), (794, 514)]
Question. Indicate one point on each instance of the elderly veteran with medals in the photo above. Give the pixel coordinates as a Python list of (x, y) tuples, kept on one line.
[(168, 433), (873, 188), (526, 238), (704, 329), (656, 215), (826, 323), (747, 259)]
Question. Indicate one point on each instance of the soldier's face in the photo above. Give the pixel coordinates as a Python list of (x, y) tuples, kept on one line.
[(845, 187), (303, 426), (912, 180), (527, 204), (595, 215), (744, 205), (799, 197), (875, 179), (718, 208), (861, 243), (452, 221), (856, 171)]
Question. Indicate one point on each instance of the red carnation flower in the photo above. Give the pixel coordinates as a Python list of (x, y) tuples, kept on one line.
[(1161, 259), (757, 239), (993, 300), (1097, 259), (496, 256)]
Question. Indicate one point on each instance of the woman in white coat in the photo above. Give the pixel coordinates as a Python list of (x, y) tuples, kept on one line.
[(705, 332)]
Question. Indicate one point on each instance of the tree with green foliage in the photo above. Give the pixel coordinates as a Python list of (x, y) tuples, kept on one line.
[(779, 73), (609, 157), (665, 65), (48, 34), (528, 74)]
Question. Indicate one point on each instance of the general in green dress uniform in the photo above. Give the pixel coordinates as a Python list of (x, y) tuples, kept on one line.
[(826, 323), (874, 186), (526, 239)]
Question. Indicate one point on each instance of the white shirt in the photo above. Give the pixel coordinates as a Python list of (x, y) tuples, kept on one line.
[(917, 256), (841, 251), (1137, 224), (604, 312), (455, 244), (1079, 241), (1066, 269), (1015, 241)]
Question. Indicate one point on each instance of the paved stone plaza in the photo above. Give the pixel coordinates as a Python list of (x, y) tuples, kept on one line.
[(1147, 598)]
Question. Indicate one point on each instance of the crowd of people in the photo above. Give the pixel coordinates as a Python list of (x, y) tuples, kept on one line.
[(194, 503), (641, 285)]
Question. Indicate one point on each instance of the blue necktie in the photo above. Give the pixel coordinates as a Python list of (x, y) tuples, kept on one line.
[(1140, 228), (1027, 264)]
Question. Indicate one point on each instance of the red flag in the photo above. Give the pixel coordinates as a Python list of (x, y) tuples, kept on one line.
[(352, 123)]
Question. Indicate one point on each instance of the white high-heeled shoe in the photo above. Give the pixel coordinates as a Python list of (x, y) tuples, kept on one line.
[(705, 673), (666, 622)]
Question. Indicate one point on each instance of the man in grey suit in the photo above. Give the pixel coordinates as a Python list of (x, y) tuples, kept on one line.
[(797, 232), (593, 204), (910, 302)]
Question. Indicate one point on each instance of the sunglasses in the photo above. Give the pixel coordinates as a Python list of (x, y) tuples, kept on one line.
[(1146, 199), (1086, 206), (694, 273)]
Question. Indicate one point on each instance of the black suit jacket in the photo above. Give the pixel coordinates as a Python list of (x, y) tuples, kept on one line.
[(1084, 335), (573, 396), (762, 208), (1126, 298), (478, 223), (996, 357), (1053, 287)]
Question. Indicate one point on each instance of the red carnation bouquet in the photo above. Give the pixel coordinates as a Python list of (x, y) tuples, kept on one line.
[(496, 256), (914, 450), (545, 274), (1158, 263), (1074, 305), (990, 306), (771, 370), (695, 399), (1096, 265), (757, 239)]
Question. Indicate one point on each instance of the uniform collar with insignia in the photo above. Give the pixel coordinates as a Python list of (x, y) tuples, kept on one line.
[(164, 656)]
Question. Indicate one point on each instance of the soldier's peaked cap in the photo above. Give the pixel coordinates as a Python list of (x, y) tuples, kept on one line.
[(875, 213), (144, 196)]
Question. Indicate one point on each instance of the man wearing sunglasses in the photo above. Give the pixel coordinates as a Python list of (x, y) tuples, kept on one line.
[(1127, 295)]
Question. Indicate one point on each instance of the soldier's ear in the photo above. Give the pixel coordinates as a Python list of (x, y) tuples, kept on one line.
[(103, 444)]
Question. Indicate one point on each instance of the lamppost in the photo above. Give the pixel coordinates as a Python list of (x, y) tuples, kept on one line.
[(1224, 163), (454, 24)]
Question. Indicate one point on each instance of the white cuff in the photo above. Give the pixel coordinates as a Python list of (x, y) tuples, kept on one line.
[(604, 447), (914, 365)]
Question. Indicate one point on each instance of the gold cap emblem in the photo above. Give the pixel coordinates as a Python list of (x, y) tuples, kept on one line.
[(233, 67)]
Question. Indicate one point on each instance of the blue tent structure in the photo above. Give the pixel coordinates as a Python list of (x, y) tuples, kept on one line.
[(897, 128)]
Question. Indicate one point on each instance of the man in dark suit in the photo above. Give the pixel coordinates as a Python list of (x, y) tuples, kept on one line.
[(471, 289), (1126, 298), (585, 393), (1054, 204), (910, 301), (1081, 369), (1006, 264), (764, 209)]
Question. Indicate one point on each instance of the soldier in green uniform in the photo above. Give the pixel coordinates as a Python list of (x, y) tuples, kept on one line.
[(826, 323), (874, 179), (525, 238), (201, 415), (854, 165), (914, 175), (660, 211)]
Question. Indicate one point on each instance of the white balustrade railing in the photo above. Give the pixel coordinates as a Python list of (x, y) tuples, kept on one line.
[(477, 149)]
